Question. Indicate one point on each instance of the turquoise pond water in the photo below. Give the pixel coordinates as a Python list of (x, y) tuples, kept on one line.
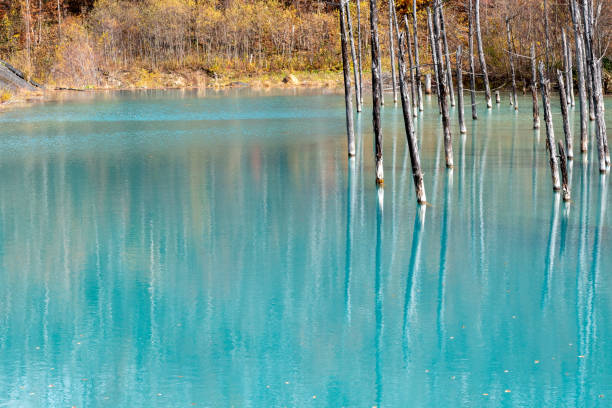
[(216, 248)]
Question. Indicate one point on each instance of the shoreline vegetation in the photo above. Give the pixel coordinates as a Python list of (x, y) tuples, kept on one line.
[(157, 44), (134, 81)]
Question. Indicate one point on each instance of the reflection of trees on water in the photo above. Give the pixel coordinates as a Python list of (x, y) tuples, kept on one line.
[(551, 247), (212, 272), (379, 291)]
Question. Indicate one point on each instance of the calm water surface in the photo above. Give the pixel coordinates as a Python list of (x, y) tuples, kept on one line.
[(217, 248)]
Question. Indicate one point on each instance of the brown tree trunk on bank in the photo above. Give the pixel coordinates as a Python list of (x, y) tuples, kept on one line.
[(417, 174), (28, 20), (462, 128), (534, 89), (472, 67), (580, 71), (346, 67), (448, 144), (376, 92), (353, 54), (481, 56), (550, 133), (567, 130), (511, 55), (59, 21), (416, 57)]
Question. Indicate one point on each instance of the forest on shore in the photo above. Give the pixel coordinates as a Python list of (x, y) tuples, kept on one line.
[(157, 43)]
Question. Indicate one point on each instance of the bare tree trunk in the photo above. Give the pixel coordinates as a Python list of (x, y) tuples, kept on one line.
[(550, 133), (428, 84), (40, 19), (392, 46), (580, 71), (416, 56), (599, 116), (346, 66), (27, 18), (413, 90), (434, 56), (353, 56), (462, 128), (567, 130), (588, 52), (376, 92), (567, 66), (449, 71), (514, 97), (59, 21), (481, 56), (472, 68), (359, 53), (597, 94), (534, 90), (547, 39), (565, 189), (417, 174), (448, 143)]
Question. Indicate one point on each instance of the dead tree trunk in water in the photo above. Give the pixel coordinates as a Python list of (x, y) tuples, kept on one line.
[(417, 174), (564, 176), (550, 133), (353, 55), (481, 56), (567, 130), (472, 68), (416, 57), (346, 66), (359, 53), (534, 90), (511, 55), (434, 55), (428, 84), (448, 143), (567, 67), (376, 92), (588, 56), (546, 40), (392, 46), (580, 71), (597, 92), (460, 116), (413, 90), (599, 116), (449, 70)]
